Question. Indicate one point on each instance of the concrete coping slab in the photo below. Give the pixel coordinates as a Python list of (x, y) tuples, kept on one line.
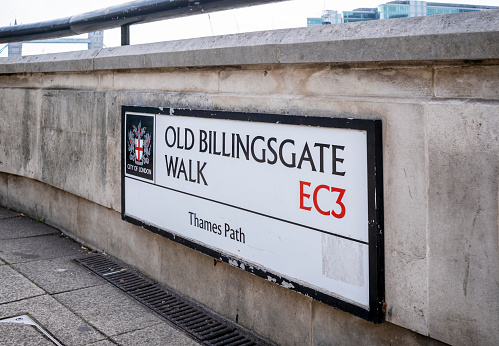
[(463, 36), (56, 62)]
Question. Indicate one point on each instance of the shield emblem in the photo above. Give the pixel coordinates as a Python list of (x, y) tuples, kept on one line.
[(139, 149)]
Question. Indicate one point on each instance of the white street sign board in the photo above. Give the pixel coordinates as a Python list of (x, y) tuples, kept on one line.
[(286, 198)]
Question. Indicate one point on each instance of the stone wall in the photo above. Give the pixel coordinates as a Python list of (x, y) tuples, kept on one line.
[(433, 81)]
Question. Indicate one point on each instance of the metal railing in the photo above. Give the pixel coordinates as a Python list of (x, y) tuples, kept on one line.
[(124, 15)]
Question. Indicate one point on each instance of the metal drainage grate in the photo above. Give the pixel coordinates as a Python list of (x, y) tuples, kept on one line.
[(189, 316)]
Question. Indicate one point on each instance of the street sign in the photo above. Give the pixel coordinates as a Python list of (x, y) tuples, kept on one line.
[(296, 200)]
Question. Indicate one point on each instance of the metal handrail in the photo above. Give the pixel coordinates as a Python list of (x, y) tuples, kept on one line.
[(123, 16)]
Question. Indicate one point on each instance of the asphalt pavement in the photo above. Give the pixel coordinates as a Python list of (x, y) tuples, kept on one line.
[(46, 298)]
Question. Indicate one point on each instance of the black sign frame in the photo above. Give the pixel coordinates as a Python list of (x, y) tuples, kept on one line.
[(373, 127)]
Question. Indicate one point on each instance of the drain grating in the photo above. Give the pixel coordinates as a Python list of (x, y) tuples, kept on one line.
[(187, 315)]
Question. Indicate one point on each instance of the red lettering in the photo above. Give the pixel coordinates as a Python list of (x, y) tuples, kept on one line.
[(339, 202), (316, 205), (302, 195), (341, 193)]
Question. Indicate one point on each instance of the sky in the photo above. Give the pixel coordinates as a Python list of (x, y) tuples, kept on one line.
[(286, 14)]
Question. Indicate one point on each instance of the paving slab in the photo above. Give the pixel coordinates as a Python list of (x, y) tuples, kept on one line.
[(58, 275), (39, 278), (22, 227), (6, 214), (156, 335), (13, 334), (108, 309), (38, 248), (14, 286), (103, 343), (58, 320)]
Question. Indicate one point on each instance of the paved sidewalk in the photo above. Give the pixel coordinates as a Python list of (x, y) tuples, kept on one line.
[(39, 279)]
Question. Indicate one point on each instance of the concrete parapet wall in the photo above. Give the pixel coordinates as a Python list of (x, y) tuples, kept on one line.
[(433, 81)]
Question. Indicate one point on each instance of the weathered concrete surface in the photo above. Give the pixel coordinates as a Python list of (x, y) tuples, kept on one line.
[(7, 214), (21, 250), (461, 36), (27, 227), (57, 275), (60, 158), (69, 302), (257, 304), (15, 286), (351, 331), (467, 83), (96, 304), (17, 334), (463, 214)]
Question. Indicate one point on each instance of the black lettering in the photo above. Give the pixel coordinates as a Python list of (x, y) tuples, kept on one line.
[(191, 136), (262, 159), (215, 152), (336, 159), (178, 136), (200, 173), (223, 146), (207, 225), (174, 136), (210, 141), (181, 169), (293, 155), (233, 145), (240, 236), (240, 144), (306, 151), (321, 153), (170, 167), (272, 151), (203, 146), (190, 172), (192, 216)]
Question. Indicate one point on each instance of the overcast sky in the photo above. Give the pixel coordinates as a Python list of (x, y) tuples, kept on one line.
[(285, 14)]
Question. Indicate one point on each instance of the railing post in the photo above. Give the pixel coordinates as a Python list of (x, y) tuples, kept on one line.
[(123, 15), (125, 35)]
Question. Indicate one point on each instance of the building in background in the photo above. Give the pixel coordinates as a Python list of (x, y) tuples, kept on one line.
[(397, 9), (328, 17), (94, 40), (360, 15), (314, 21), (331, 17), (15, 49)]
